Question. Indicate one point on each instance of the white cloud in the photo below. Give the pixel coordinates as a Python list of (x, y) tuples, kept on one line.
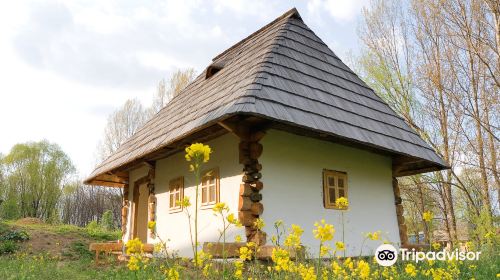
[(66, 65), (340, 10)]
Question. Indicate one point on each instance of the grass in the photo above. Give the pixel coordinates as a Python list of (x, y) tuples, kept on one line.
[(44, 267), (95, 234), (74, 261)]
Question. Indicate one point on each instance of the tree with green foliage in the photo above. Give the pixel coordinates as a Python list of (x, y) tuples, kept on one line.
[(34, 174), (107, 220)]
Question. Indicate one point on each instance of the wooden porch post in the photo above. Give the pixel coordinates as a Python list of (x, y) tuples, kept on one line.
[(125, 209), (151, 200), (399, 213)]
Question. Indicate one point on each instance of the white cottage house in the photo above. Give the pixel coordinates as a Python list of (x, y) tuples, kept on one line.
[(292, 128)]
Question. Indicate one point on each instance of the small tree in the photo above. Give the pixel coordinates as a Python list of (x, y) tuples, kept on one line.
[(107, 220)]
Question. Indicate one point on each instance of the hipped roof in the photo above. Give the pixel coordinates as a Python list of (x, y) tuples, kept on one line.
[(285, 73)]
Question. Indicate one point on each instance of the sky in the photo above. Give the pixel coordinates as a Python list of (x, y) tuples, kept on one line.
[(66, 65)]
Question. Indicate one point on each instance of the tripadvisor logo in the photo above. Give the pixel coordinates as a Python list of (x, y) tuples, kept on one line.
[(387, 255)]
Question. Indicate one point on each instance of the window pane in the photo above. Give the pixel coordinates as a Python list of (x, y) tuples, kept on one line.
[(341, 182), (171, 200), (341, 192), (212, 193), (203, 195), (331, 194), (331, 181)]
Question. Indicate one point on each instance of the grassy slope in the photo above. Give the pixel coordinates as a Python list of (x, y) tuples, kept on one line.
[(57, 252)]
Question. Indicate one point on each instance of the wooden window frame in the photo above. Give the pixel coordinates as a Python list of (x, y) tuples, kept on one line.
[(326, 194), (209, 204), (171, 183)]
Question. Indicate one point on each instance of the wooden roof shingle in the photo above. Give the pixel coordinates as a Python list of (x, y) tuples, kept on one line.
[(282, 72)]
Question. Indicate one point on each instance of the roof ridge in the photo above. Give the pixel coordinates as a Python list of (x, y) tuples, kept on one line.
[(290, 13)]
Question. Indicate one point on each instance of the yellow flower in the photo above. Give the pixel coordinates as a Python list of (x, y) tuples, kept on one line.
[(259, 223), (206, 269), (245, 253), (151, 225), (173, 274), (293, 239), (323, 232), (363, 270), (297, 230), (134, 246), (489, 235), (198, 153), (342, 203), (337, 269), (238, 272), (436, 246), (237, 238), (219, 207), (281, 259), (411, 270), (427, 216), (184, 202), (340, 246), (324, 250), (373, 235), (133, 263), (232, 220), (201, 258), (307, 272), (157, 247)]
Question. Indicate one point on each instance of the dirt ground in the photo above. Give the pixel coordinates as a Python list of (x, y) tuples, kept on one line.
[(44, 240)]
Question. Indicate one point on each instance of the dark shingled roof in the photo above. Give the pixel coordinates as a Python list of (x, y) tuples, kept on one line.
[(282, 72)]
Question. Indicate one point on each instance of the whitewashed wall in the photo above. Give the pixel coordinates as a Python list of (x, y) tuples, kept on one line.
[(174, 226), (292, 174)]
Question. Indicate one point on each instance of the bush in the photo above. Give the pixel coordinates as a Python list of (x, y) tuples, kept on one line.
[(8, 247), (15, 236), (81, 249), (107, 220), (92, 227), (94, 230)]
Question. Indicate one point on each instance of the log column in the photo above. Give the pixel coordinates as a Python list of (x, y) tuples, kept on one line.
[(125, 209), (399, 212), (250, 207)]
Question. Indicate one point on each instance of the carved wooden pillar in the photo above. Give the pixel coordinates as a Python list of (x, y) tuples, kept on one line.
[(151, 200), (125, 209), (399, 212), (250, 207)]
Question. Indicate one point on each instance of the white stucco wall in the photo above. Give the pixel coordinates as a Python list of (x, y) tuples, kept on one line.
[(174, 226), (293, 192)]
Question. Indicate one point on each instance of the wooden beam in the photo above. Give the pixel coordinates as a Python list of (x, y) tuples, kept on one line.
[(106, 184), (409, 172), (149, 163)]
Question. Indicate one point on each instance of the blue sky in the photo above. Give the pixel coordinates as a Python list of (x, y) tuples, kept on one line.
[(65, 66)]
